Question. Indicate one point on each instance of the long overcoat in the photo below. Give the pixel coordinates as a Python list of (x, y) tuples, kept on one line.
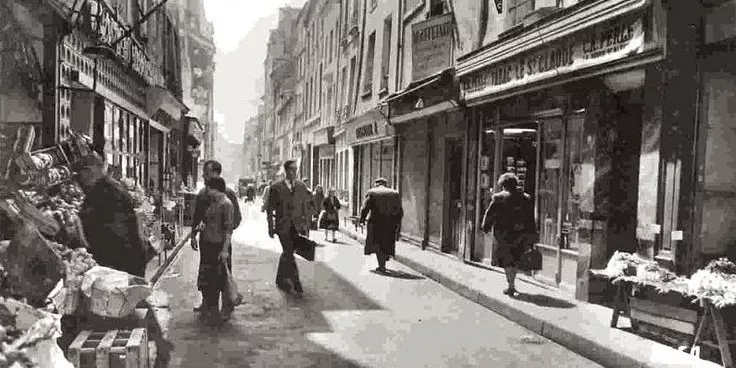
[(383, 212)]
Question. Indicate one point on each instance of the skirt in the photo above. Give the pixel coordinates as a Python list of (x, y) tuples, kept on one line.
[(329, 220)]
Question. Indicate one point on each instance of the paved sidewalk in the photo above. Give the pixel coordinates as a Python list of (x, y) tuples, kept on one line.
[(579, 326)]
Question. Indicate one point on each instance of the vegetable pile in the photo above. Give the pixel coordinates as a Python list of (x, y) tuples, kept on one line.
[(716, 282)]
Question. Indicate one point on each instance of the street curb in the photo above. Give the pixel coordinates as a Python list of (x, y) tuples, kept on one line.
[(612, 355)]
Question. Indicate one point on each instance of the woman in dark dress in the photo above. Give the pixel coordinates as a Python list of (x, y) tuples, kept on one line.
[(511, 218), (330, 217)]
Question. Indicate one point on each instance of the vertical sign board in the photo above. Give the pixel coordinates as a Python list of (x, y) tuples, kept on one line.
[(432, 43)]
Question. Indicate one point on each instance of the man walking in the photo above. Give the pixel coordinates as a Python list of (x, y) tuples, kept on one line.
[(210, 170), (288, 215), (382, 208)]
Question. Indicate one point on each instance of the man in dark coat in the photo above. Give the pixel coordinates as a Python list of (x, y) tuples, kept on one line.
[(511, 217), (109, 220), (213, 169), (288, 212), (382, 208)]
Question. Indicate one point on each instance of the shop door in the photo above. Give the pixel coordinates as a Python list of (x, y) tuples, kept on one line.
[(564, 199), (453, 224)]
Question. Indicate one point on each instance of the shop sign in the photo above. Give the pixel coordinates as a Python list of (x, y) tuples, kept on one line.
[(368, 131), (600, 45), (432, 46)]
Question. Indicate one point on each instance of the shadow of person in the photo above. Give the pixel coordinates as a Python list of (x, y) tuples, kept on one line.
[(544, 300), (398, 275)]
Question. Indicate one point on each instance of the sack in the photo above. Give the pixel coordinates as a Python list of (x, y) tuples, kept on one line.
[(231, 288), (305, 247), (531, 260), (113, 293)]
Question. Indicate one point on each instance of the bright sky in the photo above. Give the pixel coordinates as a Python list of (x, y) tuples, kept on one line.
[(241, 34)]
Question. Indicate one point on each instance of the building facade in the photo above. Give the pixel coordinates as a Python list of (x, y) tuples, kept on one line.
[(611, 112)]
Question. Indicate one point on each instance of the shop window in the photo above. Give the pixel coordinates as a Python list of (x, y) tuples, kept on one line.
[(387, 161), (719, 22), (550, 171)]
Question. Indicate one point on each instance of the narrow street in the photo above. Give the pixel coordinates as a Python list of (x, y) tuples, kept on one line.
[(348, 316)]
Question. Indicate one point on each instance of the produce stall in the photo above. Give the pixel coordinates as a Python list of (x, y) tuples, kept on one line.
[(709, 292), (54, 298)]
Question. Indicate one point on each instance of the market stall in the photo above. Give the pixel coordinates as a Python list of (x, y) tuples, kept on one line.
[(55, 301), (705, 299)]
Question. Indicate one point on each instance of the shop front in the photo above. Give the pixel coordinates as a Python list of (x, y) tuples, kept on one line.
[(373, 144), (324, 145), (569, 117), (431, 130), (192, 149), (344, 174)]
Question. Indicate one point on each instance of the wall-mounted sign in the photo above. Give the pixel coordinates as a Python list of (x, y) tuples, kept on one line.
[(327, 151), (432, 44), (358, 133), (609, 42)]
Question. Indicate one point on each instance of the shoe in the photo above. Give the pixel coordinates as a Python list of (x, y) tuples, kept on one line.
[(382, 270), (283, 285), (198, 308), (226, 314), (510, 291)]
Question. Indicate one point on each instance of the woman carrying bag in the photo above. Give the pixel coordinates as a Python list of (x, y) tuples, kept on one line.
[(329, 218)]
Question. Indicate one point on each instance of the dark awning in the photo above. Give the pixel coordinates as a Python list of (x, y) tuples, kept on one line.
[(438, 92)]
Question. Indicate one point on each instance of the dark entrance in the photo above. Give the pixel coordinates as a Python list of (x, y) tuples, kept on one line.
[(453, 224)]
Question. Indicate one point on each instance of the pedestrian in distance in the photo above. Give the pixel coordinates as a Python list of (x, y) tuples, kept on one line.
[(511, 218), (383, 212), (214, 251), (288, 213), (319, 196), (329, 218), (265, 195), (210, 170)]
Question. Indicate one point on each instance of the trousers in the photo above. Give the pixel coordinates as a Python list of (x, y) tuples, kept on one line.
[(287, 268)]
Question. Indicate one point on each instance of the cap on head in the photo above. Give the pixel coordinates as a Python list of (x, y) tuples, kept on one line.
[(381, 181)]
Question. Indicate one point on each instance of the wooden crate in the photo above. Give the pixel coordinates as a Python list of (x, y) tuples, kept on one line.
[(110, 349)]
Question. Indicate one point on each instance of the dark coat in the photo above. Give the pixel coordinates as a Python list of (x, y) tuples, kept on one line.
[(383, 211), (111, 228), (511, 217), (287, 208), (202, 202), (331, 219)]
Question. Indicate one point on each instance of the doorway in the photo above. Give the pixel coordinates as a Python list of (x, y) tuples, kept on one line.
[(453, 213)]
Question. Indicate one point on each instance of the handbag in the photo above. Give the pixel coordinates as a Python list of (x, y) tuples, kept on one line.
[(321, 219), (531, 259), (305, 247), (231, 288)]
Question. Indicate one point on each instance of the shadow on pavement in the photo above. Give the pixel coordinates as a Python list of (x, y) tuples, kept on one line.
[(270, 329), (398, 275), (544, 301)]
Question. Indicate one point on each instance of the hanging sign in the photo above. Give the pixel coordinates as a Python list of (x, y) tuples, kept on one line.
[(431, 45), (610, 42)]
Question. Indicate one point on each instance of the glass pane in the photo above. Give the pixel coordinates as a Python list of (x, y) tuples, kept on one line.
[(519, 154), (486, 166), (578, 211), (375, 161), (550, 170), (387, 161)]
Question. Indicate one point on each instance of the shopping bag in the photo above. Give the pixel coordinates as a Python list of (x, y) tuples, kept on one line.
[(305, 247), (231, 288)]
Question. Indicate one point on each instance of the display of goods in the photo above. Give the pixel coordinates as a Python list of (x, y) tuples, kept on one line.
[(623, 264), (721, 265), (652, 272), (32, 265), (717, 287), (24, 332), (113, 293)]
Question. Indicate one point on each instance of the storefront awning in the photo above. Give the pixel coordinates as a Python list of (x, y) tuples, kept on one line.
[(368, 127), (436, 93), (160, 98)]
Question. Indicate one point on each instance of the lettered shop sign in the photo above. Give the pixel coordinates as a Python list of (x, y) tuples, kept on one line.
[(580, 50)]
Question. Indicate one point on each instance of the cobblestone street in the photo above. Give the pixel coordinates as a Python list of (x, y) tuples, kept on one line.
[(348, 316)]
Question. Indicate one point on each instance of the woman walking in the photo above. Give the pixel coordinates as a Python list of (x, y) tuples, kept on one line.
[(215, 239), (511, 217), (330, 216), (318, 197)]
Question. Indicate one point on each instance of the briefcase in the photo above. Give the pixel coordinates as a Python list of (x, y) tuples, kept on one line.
[(305, 247)]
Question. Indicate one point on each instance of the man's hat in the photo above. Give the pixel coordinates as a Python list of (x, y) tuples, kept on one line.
[(381, 181)]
